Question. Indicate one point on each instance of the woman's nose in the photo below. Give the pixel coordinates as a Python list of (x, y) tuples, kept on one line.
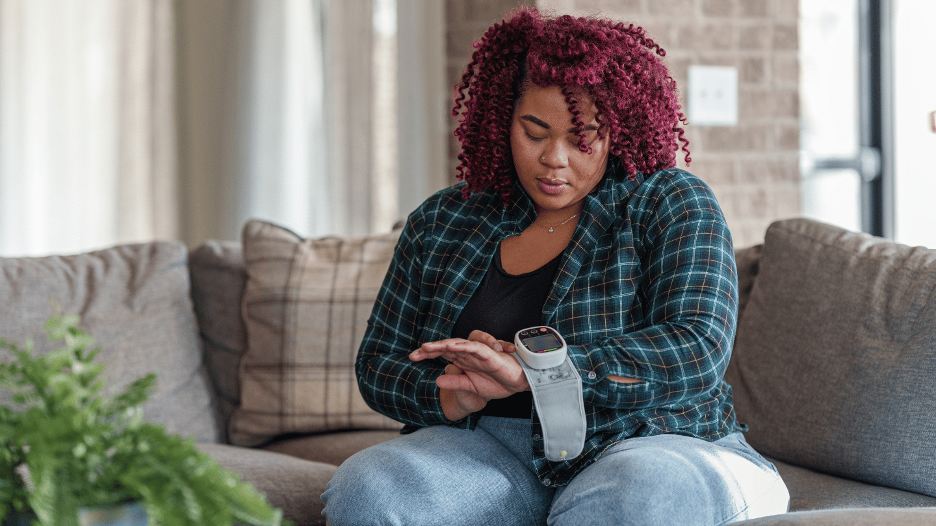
[(556, 154)]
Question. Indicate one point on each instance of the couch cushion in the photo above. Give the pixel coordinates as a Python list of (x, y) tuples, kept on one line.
[(219, 277), (134, 300), (306, 307), (331, 448), (291, 484), (811, 490), (849, 517), (835, 356)]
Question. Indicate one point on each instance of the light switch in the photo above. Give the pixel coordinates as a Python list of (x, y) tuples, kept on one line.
[(713, 96)]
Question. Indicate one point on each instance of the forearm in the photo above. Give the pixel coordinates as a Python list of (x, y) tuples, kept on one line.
[(405, 391), (650, 368)]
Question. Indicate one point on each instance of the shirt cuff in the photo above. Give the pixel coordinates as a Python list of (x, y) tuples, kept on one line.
[(431, 406)]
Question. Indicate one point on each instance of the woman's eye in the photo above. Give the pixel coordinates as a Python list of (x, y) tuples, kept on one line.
[(533, 138)]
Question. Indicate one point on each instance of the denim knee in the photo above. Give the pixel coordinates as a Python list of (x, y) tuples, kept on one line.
[(436, 476), (353, 494), (660, 488), (671, 480)]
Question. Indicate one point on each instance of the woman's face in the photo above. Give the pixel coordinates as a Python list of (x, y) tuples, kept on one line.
[(552, 169)]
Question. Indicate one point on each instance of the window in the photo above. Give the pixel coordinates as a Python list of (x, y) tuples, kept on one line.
[(867, 99), (829, 134), (914, 137)]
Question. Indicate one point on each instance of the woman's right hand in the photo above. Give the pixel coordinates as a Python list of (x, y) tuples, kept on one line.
[(480, 369), (458, 404)]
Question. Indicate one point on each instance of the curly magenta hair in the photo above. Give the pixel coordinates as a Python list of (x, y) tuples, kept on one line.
[(617, 66)]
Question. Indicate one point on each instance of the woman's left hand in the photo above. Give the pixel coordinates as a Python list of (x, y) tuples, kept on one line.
[(486, 365)]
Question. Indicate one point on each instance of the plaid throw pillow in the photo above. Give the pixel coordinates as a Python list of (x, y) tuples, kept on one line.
[(306, 306)]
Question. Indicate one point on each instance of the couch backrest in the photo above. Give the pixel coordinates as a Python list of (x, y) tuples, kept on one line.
[(748, 260), (835, 355), (134, 300), (218, 277)]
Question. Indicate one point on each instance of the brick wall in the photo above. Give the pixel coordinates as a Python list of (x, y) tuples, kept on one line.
[(753, 167), (466, 21)]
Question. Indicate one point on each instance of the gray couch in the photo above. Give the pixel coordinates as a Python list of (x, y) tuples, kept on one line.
[(833, 367)]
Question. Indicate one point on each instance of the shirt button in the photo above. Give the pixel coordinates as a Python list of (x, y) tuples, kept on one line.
[(536, 437), (547, 482), (592, 375)]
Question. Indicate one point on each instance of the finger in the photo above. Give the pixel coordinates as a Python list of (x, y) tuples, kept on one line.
[(456, 382), (509, 348), (430, 349), (486, 339), (479, 359), (449, 348), (442, 343), (433, 349)]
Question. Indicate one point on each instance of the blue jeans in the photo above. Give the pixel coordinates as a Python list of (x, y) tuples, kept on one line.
[(446, 476)]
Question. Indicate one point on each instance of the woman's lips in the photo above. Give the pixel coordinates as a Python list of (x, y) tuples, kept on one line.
[(550, 186)]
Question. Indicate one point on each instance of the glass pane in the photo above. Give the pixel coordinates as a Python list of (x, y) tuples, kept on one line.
[(829, 109), (915, 141)]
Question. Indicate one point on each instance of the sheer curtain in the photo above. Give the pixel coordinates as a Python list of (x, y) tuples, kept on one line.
[(87, 128), (327, 117), (279, 141), (132, 120)]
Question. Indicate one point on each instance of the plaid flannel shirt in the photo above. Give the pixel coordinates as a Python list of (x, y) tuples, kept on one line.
[(646, 289)]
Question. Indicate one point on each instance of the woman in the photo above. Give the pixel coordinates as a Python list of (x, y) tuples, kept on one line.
[(571, 215)]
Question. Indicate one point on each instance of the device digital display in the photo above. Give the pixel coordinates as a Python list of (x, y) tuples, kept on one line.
[(540, 347), (542, 343)]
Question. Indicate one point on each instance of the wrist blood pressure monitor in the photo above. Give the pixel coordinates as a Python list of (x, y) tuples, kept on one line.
[(557, 390), (541, 347)]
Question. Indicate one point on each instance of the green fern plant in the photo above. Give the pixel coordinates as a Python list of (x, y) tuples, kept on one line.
[(67, 445)]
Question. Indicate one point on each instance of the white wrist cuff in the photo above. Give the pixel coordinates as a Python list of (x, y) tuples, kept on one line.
[(557, 394)]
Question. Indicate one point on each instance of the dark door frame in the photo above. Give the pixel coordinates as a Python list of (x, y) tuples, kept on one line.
[(876, 114)]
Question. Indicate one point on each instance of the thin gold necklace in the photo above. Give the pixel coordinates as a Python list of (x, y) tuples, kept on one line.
[(552, 228)]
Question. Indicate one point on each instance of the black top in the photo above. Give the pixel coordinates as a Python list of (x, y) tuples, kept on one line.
[(502, 305)]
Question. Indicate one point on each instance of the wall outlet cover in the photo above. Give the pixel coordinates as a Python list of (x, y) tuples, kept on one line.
[(713, 96)]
